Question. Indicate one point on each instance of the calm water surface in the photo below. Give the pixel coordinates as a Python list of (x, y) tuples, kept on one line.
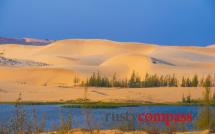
[(98, 117)]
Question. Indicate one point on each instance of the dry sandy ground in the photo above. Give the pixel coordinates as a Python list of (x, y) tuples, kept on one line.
[(10, 92), (46, 73), (78, 131)]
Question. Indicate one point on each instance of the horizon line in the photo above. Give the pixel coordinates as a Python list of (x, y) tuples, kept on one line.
[(105, 39)]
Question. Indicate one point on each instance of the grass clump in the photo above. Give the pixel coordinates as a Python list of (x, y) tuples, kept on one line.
[(206, 117), (101, 105)]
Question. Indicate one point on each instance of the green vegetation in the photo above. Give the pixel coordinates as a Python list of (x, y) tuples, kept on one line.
[(187, 82), (206, 117), (22, 123), (135, 81), (101, 105), (76, 80), (208, 98), (187, 99)]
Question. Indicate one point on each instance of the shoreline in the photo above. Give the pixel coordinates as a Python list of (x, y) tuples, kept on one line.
[(115, 131), (91, 104)]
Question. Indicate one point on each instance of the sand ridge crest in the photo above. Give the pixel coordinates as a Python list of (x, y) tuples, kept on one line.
[(87, 56)]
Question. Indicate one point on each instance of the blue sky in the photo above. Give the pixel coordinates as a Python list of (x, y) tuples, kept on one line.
[(168, 22)]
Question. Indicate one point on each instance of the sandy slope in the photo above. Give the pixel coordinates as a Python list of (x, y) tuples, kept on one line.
[(86, 56), (68, 58), (37, 76), (127, 63)]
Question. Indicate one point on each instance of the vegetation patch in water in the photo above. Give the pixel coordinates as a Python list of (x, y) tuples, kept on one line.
[(101, 105)]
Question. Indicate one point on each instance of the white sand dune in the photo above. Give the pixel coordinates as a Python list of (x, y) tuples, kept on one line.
[(80, 55), (124, 65), (37, 76), (70, 57)]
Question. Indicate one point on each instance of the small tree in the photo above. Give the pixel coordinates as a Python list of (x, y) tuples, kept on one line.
[(76, 80), (132, 79), (195, 81), (92, 80), (183, 99), (213, 98), (161, 80), (98, 80), (135, 81), (173, 81), (188, 83), (85, 92), (188, 99), (207, 94), (208, 82), (114, 79), (183, 82)]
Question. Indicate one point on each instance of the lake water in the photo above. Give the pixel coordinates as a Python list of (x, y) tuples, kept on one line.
[(98, 117)]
